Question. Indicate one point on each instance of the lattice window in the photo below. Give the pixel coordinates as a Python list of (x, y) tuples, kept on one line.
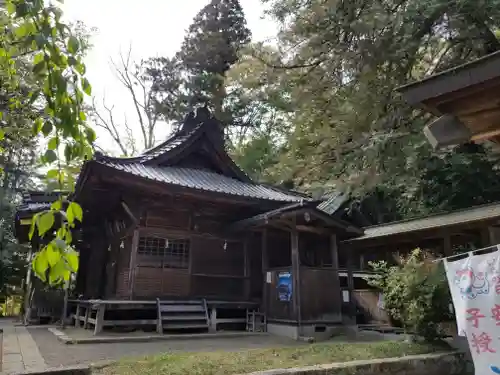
[(171, 252)]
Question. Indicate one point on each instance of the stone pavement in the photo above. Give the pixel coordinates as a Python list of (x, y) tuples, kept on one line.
[(20, 352), (57, 354)]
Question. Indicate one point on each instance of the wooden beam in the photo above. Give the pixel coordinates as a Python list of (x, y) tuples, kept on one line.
[(447, 249), (133, 263), (129, 212), (295, 273), (310, 229)]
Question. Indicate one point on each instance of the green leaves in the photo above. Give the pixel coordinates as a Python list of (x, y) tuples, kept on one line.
[(45, 222), (58, 262), (40, 265), (49, 85), (73, 45), (73, 212), (416, 293), (46, 128), (87, 89), (53, 254), (53, 143), (50, 156)]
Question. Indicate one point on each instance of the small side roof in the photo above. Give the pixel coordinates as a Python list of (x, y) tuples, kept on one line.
[(291, 210), (466, 216)]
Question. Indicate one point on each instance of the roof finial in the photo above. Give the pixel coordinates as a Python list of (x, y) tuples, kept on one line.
[(203, 114), (189, 123)]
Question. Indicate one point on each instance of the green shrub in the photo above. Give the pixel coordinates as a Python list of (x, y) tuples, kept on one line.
[(416, 293)]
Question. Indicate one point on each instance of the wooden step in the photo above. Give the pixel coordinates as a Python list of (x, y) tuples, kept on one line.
[(183, 302), (182, 308), (181, 315), (185, 326), (184, 317)]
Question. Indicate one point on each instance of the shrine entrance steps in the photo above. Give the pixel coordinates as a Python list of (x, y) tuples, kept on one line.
[(182, 315)]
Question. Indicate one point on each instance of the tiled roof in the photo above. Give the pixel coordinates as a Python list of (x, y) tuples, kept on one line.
[(171, 143), (308, 205), (36, 201), (33, 207), (332, 203), (470, 215), (203, 180)]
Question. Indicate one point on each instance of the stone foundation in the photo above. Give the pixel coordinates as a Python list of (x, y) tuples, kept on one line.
[(316, 332)]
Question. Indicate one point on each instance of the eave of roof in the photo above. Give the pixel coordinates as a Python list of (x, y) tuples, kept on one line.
[(202, 180), (460, 77), (470, 215)]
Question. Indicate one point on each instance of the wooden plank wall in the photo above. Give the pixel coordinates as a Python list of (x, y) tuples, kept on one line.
[(217, 263), (320, 293), (276, 309)]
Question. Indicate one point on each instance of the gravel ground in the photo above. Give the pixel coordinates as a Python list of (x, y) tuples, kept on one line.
[(58, 354)]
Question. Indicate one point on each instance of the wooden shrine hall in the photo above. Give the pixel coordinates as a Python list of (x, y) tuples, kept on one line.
[(179, 238)]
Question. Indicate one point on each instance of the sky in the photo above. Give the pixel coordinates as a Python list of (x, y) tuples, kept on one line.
[(151, 28)]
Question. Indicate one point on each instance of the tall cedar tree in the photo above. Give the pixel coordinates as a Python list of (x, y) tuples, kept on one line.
[(211, 46)]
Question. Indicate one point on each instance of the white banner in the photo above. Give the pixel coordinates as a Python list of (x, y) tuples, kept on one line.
[(475, 289)]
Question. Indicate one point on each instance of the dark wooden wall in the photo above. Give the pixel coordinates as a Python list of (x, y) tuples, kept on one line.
[(220, 265), (276, 309), (320, 297)]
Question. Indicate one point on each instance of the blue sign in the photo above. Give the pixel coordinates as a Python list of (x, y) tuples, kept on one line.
[(284, 286)]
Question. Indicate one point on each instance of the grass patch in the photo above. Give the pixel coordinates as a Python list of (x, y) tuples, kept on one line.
[(225, 363)]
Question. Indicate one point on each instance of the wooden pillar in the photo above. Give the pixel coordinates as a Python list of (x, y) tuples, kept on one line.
[(295, 273), (334, 252), (265, 267), (335, 266), (77, 315), (99, 319), (350, 284), (494, 235), (133, 263), (447, 249), (213, 319), (485, 237), (87, 316), (246, 267)]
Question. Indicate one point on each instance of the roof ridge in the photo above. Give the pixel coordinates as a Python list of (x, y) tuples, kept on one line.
[(148, 154), (175, 135)]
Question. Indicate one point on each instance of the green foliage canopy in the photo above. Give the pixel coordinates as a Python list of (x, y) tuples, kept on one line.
[(33, 32)]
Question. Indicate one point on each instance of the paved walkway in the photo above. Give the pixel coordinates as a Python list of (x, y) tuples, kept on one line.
[(58, 354), (20, 352)]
